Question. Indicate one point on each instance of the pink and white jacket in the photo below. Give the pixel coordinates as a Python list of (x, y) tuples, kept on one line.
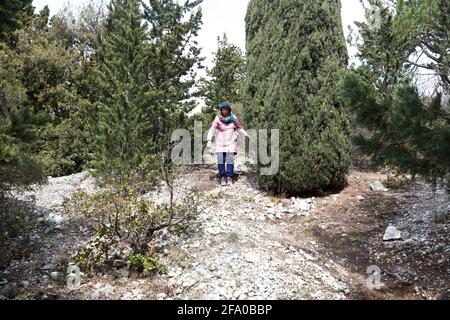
[(226, 139)]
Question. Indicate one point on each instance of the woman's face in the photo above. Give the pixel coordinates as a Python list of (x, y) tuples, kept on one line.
[(225, 112)]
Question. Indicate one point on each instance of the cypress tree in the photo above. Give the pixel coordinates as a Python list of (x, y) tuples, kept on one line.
[(296, 53), (225, 77), (122, 125)]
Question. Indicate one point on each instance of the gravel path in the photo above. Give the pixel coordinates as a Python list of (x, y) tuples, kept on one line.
[(245, 245)]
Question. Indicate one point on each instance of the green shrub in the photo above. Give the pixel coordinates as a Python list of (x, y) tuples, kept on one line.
[(397, 181), (145, 262), (124, 223), (17, 221)]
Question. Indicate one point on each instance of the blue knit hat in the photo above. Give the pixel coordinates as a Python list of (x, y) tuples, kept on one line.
[(225, 105)]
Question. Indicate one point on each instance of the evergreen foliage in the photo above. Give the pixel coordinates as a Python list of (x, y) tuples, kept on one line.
[(296, 53), (225, 78), (405, 116)]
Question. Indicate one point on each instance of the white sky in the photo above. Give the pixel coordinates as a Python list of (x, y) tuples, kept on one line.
[(221, 16)]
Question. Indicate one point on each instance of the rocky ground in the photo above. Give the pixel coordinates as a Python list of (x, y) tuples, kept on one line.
[(248, 245)]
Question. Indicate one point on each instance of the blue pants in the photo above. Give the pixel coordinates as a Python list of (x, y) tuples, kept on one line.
[(225, 159)]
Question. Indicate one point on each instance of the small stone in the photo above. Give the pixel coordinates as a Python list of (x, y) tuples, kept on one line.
[(188, 283), (124, 273), (252, 257), (212, 268), (57, 220), (213, 230), (226, 213), (377, 186), (108, 289), (289, 210), (303, 214), (48, 267), (418, 220), (222, 292), (24, 283), (161, 234), (360, 198), (301, 204), (119, 263), (392, 233), (276, 244), (96, 295), (161, 296), (55, 275), (137, 293)]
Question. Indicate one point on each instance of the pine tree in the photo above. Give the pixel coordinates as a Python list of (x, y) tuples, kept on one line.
[(19, 121), (49, 64), (122, 128), (296, 53), (19, 166), (405, 119), (14, 14), (172, 57), (225, 78)]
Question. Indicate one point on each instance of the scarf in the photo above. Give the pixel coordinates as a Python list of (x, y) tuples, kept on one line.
[(230, 118)]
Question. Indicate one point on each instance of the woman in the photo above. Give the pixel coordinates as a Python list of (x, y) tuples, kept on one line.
[(226, 141)]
